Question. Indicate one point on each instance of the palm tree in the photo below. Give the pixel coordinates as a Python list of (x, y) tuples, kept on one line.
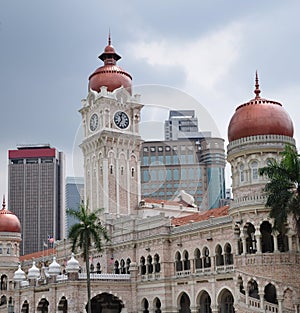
[(88, 232), (283, 188)]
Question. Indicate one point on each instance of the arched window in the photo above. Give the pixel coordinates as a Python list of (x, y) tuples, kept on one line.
[(111, 169), (186, 261), (253, 289), (227, 302), (143, 266), (157, 306), (270, 294), (242, 174), (43, 306), (3, 282), (178, 262), (267, 243), (184, 303), (283, 245), (249, 232), (145, 306), (1, 250), (156, 263), (197, 257), (3, 300), (132, 172), (92, 267), (241, 285), (205, 303), (228, 254), (149, 264), (254, 170), (116, 267), (206, 261), (128, 261), (25, 307), (122, 264), (8, 249), (62, 305), (98, 268), (219, 256)]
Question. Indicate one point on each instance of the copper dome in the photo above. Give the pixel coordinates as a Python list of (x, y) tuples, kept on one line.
[(9, 221), (110, 75), (259, 117)]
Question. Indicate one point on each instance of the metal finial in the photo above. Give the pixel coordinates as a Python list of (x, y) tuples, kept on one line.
[(257, 90), (3, 203), (109, 39)]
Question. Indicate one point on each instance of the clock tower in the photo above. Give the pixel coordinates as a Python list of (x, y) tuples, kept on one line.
[(111, 141)]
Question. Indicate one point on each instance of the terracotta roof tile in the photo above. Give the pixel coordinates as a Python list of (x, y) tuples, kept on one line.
[(37, 254), (201, 216)]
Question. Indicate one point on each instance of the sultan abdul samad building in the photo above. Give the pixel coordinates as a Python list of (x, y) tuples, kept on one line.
[(222, 260)]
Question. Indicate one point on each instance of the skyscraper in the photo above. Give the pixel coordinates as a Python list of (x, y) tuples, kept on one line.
[(74, 196), (36, 194)]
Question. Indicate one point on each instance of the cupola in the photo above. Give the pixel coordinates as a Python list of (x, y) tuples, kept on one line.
[(110, 74), (8, 220), (259, 116)]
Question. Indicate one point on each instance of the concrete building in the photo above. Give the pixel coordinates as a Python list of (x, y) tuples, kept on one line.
[(74, 197), (36, 192), (195, 165), (223, 260)]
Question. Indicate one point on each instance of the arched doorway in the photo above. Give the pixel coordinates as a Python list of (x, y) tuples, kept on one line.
[(63, 305), (226, 302), (157, 305), (43, 306), (106, 303), (204, 303), (145, 306), (184, 304), (270, 294), (25, 307)]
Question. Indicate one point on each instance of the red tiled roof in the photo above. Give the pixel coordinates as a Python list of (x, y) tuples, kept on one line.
[(201, 216), (37, 254)]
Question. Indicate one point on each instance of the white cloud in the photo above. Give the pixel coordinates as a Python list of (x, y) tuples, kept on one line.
[(205, 60)]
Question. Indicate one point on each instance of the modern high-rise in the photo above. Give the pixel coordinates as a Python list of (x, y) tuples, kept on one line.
[(74, 196), (194, 165), (182, 124), (36, 194)]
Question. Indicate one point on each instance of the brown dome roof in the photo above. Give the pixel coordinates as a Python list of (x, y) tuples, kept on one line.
[(260, 117), (9, 221), (110, 75)]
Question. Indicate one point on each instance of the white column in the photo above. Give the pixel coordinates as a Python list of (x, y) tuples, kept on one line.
[(117, 187), (105, 194)]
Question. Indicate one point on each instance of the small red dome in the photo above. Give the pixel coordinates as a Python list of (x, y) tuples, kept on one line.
[(259, 117), (110, 75), (9, 221)]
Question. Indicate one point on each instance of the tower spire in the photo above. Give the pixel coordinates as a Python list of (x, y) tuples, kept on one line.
[(3, 203), (109, 38), (257, 90)]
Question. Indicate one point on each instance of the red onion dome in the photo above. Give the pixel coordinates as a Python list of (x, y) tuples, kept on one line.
[(8, 221), (110, 75), (259, 116)]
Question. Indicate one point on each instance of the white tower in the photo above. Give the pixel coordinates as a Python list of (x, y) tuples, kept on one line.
[(111, 143)]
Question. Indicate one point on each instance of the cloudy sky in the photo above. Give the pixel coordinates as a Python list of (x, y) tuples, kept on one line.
[(207, 51)]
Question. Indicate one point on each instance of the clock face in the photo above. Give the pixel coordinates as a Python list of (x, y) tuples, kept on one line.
[(121, 119), (94, 122)]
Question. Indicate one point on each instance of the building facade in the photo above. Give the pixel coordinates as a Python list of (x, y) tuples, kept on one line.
[(222, 260), (74, 197), (36, 192), (195, 165)]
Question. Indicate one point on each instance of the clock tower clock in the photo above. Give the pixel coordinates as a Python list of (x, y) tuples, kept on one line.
[(111, 142)]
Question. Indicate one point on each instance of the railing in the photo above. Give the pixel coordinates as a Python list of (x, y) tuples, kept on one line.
[(152, 276), (254, 302), (105, 276), (224, 268), (268, 259), (183, 273), (270, 307)]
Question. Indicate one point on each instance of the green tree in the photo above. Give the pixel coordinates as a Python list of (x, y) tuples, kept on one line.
[(87, 233), (283, 188)]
